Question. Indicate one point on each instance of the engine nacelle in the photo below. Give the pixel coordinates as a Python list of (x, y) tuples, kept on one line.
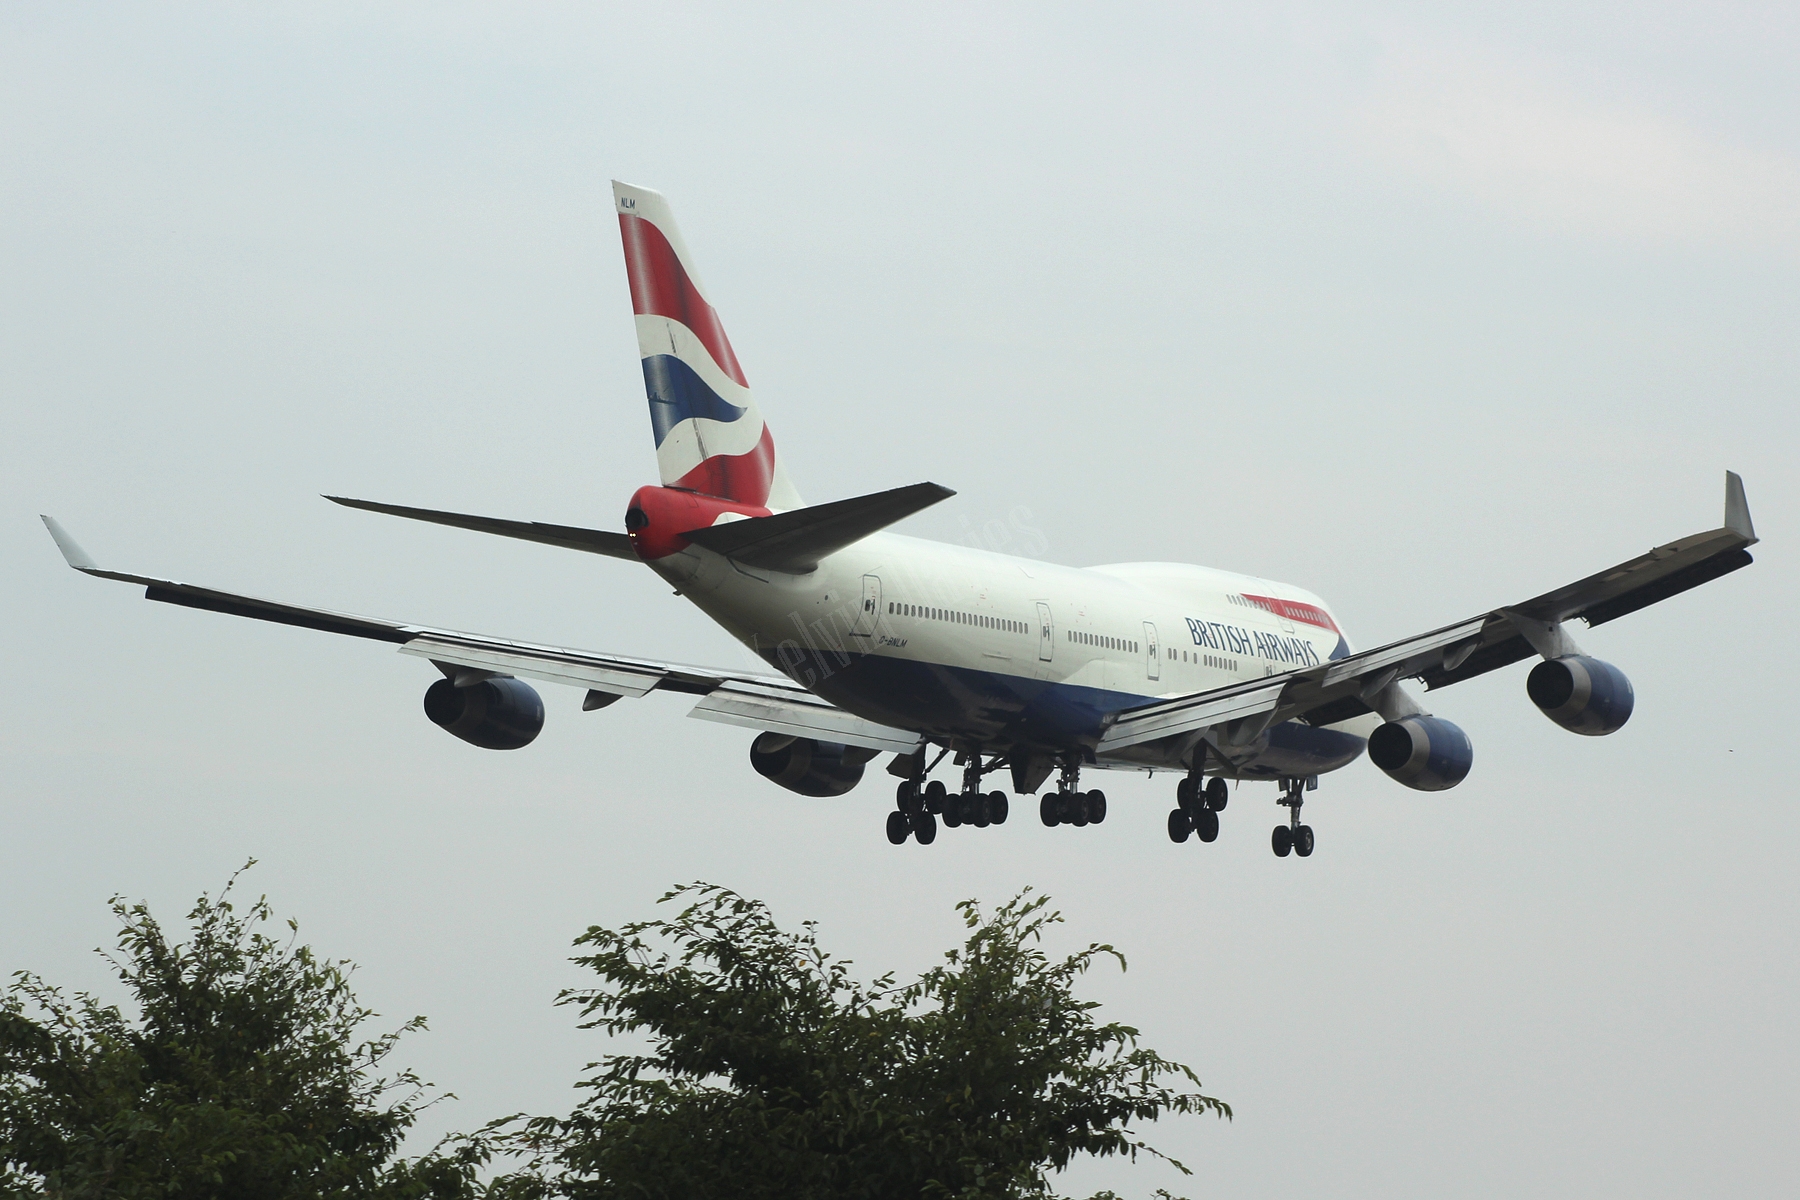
[(808, 766), (1583, 695), (1428, 754), (495, 714)]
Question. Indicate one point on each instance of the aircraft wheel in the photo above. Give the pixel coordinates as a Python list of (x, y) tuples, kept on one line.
[(1096, 806), (1186, 792), (1303, 841), (1206, 825), (924, 827), (1281, 841), (999, 807), (934, 796), (1179, 825), (978, 816), (907, 798), (1075, 809), (1217, 793), (951, 811), (1048, 804), (897, 827)]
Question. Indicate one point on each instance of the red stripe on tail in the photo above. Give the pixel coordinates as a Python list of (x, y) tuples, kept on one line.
[(660, 287), (745, 478)]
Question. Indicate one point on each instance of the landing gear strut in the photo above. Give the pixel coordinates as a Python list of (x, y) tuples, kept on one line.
[(1293, 837), (976, 807), (1198, 804), (1068, 804), (920, 804), (917, 804)]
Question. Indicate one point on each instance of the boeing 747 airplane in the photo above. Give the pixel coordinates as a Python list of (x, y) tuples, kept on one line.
[(890, 644)]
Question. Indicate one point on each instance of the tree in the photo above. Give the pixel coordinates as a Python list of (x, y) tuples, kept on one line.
[(240, 1075), (770, 1072)]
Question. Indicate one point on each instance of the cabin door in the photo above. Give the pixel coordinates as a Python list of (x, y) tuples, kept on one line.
[(871, 607)]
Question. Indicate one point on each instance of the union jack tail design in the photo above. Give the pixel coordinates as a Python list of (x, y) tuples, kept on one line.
[(709, 435)]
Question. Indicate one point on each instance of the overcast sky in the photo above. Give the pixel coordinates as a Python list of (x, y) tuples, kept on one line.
[(1425, 308)]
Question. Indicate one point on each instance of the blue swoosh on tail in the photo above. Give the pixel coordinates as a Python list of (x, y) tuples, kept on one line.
[(677, 393)]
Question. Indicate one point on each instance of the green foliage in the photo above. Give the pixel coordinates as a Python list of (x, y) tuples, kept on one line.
[(240, 1076), (770, 1072)]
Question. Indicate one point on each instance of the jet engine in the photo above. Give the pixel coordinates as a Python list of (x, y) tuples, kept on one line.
[(808, 766), (1428, 754), (1583, 695), (496, 714)]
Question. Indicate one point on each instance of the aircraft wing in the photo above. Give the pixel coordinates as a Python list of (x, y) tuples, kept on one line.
[(767, 702), (1336, 691)]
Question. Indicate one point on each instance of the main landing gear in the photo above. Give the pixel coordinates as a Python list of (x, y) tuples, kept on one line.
[(1197, 808), (919, 806), (1293, 837), (1068, 805)]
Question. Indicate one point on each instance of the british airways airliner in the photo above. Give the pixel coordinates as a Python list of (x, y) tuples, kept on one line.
[(890, 644)]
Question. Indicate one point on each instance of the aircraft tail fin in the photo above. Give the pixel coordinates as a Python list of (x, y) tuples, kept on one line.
[(710, 436)]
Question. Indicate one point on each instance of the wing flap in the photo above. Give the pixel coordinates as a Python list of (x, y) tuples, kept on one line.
[(1184, 714), (784, 711), (619, 676)]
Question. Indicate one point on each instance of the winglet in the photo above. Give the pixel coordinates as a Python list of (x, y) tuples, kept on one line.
[(1737, 509), (72, 554)]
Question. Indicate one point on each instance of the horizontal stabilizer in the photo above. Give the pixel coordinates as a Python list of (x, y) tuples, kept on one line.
[(795, 541), (569, 537)]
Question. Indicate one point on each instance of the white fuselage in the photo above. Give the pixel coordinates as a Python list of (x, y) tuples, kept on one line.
[(989, 651)]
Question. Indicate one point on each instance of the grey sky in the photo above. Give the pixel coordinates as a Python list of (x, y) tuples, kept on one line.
[(1426, 308)]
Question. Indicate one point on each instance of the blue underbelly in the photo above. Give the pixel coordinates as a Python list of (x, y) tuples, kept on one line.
[(990, 708), (959, 702)]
